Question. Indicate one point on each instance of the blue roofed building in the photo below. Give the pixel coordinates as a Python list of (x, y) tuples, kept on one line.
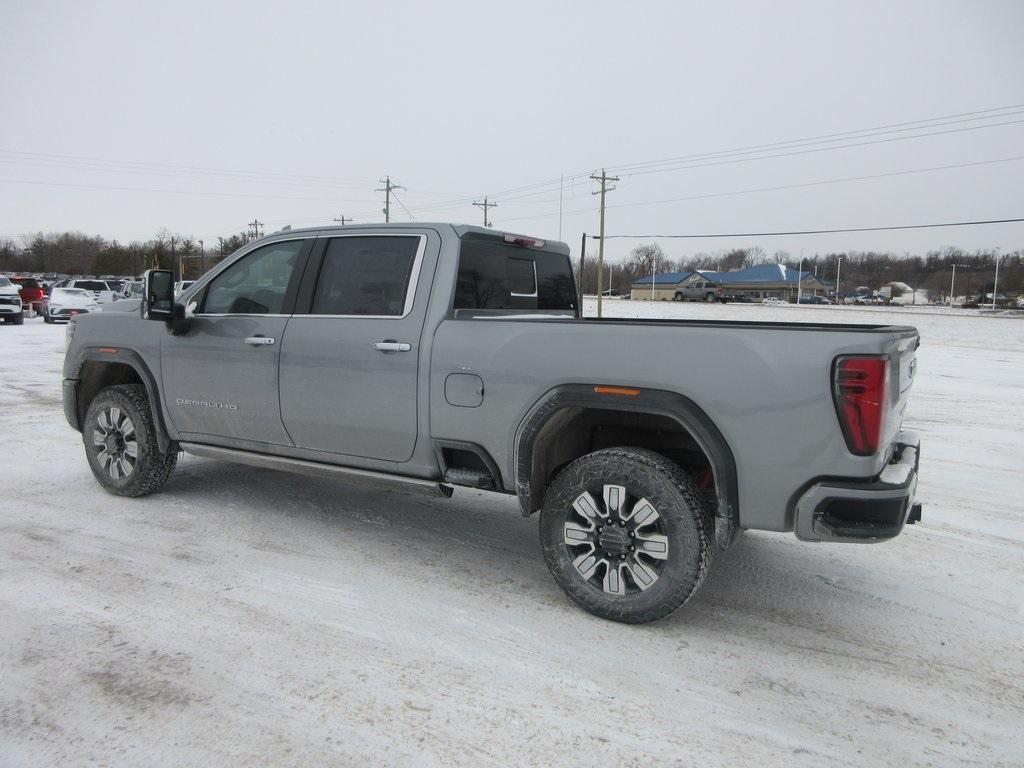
[(757, 282)]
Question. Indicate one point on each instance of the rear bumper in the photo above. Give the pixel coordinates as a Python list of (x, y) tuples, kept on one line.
[(63, 315), (868, 510)]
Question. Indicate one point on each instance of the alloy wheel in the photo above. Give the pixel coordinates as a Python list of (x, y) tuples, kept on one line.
[(115, 439), (618, 546)]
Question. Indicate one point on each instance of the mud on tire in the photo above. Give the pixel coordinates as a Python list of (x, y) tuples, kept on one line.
[(626, 534), (121, 442)]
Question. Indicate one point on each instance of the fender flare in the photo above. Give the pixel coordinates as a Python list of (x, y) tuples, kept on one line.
[(653, 401), (131, 358)]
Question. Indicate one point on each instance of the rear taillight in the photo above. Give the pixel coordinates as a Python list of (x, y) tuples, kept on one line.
[(860, 388)]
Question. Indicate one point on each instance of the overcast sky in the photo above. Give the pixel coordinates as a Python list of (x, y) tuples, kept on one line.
[(134, 110)]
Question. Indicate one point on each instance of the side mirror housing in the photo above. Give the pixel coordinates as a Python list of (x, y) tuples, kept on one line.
[(180, 321), (157, 294)]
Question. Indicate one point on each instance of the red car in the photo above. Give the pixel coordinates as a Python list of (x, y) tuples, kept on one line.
[(31, 292)]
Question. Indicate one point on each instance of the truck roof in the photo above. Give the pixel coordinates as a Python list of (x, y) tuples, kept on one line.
[(461, 230)]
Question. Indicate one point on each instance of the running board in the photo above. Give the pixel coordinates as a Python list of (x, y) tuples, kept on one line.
[(313, 468)]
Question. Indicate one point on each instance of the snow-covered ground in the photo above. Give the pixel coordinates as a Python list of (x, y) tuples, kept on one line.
[(248, 617)]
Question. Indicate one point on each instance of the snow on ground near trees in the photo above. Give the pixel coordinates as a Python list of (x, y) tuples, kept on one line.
[(248, 617)]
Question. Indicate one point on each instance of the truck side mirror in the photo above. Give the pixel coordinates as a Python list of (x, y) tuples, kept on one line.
[(157, 294)]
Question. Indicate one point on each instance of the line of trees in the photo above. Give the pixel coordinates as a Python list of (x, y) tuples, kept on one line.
[(931, 271), (75, 253)]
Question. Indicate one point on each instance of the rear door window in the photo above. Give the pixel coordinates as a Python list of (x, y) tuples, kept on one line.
[(367, 276)]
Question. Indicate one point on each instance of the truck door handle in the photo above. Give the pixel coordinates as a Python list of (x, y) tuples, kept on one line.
[(259, 341), (390, 345)]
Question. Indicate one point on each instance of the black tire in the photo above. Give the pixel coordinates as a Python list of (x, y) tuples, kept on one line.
[(150, 467), (18, 319), (46, 316), (677, 297), (683, 519)]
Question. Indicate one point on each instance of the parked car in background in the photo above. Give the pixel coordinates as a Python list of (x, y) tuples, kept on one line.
[(737, 298), (65, 303), (696, 288), (32, 293), (772, 301), (814, 300), (184, 285), (10, 302), (132, 289), (100, 289)]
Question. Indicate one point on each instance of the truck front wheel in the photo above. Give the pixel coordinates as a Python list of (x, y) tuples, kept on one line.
[(121, 444), (626, 534)]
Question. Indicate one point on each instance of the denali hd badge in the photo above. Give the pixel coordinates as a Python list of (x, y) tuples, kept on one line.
[(205, 404)]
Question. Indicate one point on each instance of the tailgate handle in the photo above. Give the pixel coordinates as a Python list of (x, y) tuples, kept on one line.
[(390, 345)]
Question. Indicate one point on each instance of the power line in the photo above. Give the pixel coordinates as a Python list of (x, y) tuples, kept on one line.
[(256, 229), (727, 157), (200, 176), (344, 220), (780, 187), (823, 231), (399, 201), (733, 161), (147, 164), (841, 136), (165, 191)]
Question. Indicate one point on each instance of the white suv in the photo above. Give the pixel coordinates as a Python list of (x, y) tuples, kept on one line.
[(10, 302)]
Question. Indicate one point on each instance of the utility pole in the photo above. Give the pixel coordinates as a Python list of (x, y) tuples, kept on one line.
[(839, 267), (257, 229), (387, 189), (343, 220), (561, 184), (174, 261), (799, 275), (995, 285), (583, 253), (603, 179), (485, 205), (202, 256), (952, 283)]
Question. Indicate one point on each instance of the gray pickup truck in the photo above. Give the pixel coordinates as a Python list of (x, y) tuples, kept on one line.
[(438, 356)]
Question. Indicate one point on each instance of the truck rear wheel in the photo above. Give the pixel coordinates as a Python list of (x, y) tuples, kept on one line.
[(626, 534), (121, 445)]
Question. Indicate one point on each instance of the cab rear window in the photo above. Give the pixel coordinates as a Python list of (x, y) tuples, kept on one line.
[(496, 275)]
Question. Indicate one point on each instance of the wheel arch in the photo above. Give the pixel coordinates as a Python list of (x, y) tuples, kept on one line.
[(548, 419), (97, 368)]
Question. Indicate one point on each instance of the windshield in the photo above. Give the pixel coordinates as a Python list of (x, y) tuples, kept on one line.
[(4, 282), (69, 292)]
